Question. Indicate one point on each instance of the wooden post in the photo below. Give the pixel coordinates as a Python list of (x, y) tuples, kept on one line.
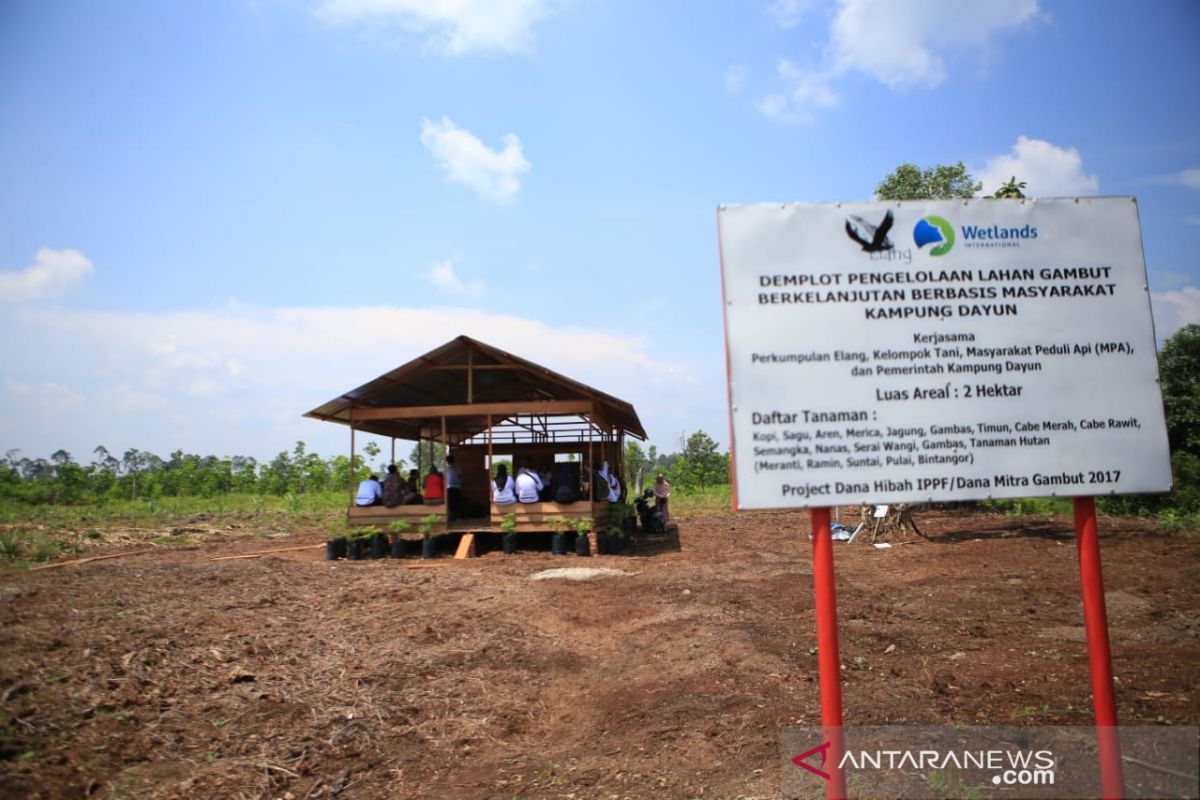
[(353, 486), (445, 489), (490, 466), (470, 376)]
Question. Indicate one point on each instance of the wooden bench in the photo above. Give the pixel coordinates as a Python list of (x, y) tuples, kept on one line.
[(382, 516), (532, 517)]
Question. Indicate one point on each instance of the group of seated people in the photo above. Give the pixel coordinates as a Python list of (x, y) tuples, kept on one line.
[(527, 486), (530, 485), (397, 491)]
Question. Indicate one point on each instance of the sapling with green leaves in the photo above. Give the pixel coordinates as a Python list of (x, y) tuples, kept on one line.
[(363, 532), (509, 523), (428, 522), (617, 514), (399, 526)]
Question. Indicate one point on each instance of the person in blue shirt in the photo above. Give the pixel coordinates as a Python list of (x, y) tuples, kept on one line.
[(370, 492)]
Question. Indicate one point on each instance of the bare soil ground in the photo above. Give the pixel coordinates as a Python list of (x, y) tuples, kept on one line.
[(171, 675)]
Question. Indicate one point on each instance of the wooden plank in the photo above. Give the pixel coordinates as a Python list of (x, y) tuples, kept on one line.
[(78, 561), (473, 410), (466, 546), (260, 553), (394, 512)]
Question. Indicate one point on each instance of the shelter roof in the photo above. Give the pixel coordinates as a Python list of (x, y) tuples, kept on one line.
[(462, 385)]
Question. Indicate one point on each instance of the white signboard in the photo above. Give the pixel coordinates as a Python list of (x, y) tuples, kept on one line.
[(940, 350)]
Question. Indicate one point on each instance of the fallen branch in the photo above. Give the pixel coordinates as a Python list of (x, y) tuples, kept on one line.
[(78, 561), (266, 552)]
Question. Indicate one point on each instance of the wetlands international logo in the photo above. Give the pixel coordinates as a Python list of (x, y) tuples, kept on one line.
[(936, 231)]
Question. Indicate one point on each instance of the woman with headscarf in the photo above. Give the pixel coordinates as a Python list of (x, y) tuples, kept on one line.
[(503, 491), (662, 491)]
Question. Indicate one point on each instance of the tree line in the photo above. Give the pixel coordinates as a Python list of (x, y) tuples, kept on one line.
[(139, 474)]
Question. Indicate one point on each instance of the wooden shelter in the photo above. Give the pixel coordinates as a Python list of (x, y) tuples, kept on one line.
[(486, 404)]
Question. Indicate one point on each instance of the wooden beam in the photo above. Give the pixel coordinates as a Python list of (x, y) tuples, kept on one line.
[(78, 561), (466, 546), (474, 410), (261, 553)]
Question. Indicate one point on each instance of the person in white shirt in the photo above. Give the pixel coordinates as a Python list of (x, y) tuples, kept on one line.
[(370, 492), (528, 485), (503, 491)]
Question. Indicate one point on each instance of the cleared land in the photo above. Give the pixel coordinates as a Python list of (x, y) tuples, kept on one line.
[(171, 675)]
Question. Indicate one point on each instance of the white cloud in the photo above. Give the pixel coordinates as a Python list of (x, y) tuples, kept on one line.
[(1190, 177), (452, 26), (788, 13), (897, 42), (1174, 309), (53, 273), (53, 397), (443, 277), (161, 381), (493, 175), (735, 78), (900, 43), (1050, 171), (805, 90)]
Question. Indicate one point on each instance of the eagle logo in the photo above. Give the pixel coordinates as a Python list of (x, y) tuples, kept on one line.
[(873, 238)]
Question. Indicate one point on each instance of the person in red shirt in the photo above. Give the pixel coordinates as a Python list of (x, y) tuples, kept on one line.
[(435, 488)]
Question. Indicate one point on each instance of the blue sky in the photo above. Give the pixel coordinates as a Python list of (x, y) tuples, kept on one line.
[(219, 215)]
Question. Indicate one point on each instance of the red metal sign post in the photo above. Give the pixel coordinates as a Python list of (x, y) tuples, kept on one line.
[(829, 666), (1095, 619)]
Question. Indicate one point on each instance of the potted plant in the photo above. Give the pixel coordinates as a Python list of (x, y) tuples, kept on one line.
[(335, 545), (398, 528), (428, 550), (359, 544), (379, 544), (615, 537), (558, 544), (509, 526), (582, 546)]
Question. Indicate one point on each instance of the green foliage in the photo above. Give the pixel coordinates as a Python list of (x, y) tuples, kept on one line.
[(1183, 499), (701, 502), (941, 182), (363, 532), (296, 475), (617, 514), (26, 545), (557, 524), (1023, 506), (428, 523), (509, 523), (427, 454), (699, 465), (637, 466), (1179, 373), (581, 525), (399, 526), (1012, 190)]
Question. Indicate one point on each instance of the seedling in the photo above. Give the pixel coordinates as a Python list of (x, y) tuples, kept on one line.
[(427, 524)]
